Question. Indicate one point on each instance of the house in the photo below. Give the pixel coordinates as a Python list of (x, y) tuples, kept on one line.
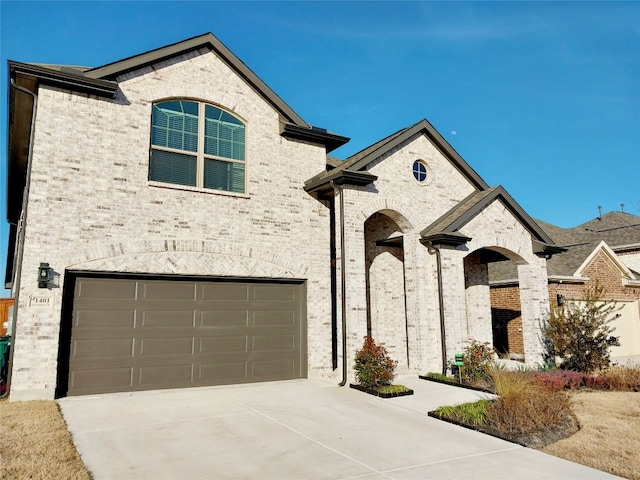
[(604, 251), (175, 223)]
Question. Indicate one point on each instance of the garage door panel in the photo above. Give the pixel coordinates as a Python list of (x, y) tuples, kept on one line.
[(225, 292), (96, 289), (274, 293), (97, 380), (224, 318), (102, 348), (282, 368), (92, 319), (156, 375), (273, 318), (167, 318), (184, 333), (166, 346), (221, 373), (169, 291), (264, 343), (226, 344)]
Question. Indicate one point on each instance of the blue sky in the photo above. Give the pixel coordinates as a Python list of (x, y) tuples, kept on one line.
[(542, 98)]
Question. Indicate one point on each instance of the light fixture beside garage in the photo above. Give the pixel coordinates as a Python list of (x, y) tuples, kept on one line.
[(45, 274)]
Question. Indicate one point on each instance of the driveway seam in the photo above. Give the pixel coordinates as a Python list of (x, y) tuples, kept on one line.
[(316, 441), (453, 459)]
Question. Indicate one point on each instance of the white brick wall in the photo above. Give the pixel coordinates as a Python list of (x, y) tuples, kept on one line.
[(413, 207), (92, 208)]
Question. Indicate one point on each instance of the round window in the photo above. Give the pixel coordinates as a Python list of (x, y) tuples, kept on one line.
[(419, 171)]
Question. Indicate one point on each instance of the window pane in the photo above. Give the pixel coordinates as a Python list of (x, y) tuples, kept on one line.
[(172, 168), (419, 171), (221, 128), (175, 125), (220, 175)]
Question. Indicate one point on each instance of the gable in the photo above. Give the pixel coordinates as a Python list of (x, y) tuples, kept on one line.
[(103, 83), (363, 159), (450, 224), (358, 165), (602, 263)]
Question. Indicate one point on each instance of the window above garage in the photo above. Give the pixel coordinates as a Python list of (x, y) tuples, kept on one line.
[(197, 144)]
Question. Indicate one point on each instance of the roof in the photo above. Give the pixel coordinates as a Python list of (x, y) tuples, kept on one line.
[(619, 230), (452, 221)]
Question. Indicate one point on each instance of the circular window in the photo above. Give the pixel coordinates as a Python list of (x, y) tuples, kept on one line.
[(420, 171)]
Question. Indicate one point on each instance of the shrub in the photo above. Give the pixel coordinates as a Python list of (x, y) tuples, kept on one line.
[(624, 378), (478, 361), (507, 382), (474, 413), (561, 379), (374, 368), (530, 410), (578, 332)]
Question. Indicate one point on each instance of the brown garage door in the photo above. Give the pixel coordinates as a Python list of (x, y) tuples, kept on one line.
[(138, 334)]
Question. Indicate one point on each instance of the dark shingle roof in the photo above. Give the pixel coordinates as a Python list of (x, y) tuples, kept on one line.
[(616, 229)]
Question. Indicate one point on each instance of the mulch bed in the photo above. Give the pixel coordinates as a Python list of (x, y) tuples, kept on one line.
[(537, 439), (468, 386), (376, 393)]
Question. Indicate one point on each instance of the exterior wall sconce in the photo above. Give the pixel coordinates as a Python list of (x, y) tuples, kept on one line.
[(560, 299), (45, 274)]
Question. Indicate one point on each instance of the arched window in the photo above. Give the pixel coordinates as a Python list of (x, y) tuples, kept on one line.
[(197, 144)]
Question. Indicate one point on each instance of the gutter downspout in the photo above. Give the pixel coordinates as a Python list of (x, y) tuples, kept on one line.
[(18, 254), (343, 285), (443, 334)]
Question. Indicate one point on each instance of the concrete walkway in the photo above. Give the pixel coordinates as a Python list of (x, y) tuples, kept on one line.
[(306, 429)]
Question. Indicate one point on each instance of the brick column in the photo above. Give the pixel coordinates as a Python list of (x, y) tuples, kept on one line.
[(455, 308), (534, 299)]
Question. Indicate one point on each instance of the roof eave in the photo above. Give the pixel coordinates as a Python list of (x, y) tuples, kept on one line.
[(339, 177), (207, 40), (311, 134), (544, 250), (98, 87), (450, 239)]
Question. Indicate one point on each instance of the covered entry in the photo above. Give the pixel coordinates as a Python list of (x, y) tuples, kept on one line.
[(130, 334)]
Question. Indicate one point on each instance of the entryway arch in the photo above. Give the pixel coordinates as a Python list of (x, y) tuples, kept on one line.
[(385, 283), (487, 321)]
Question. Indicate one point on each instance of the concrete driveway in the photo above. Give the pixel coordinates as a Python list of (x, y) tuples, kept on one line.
[(301, 429)]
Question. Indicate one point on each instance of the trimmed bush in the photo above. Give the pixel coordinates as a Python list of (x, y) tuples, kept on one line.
[(478, 361), (374, 368)]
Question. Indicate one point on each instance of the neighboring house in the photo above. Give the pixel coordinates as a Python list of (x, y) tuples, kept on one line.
[(603, 251), (191, 230)]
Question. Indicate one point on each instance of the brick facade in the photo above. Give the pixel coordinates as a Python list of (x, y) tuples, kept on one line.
[(600, 270), (92, 208)]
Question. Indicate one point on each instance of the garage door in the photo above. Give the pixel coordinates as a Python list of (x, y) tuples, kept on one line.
[(138, 334)]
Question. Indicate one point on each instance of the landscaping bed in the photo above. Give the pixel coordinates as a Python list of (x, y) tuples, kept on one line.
[(533, 408), (385, 391), (534, 439), (438, 378)]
